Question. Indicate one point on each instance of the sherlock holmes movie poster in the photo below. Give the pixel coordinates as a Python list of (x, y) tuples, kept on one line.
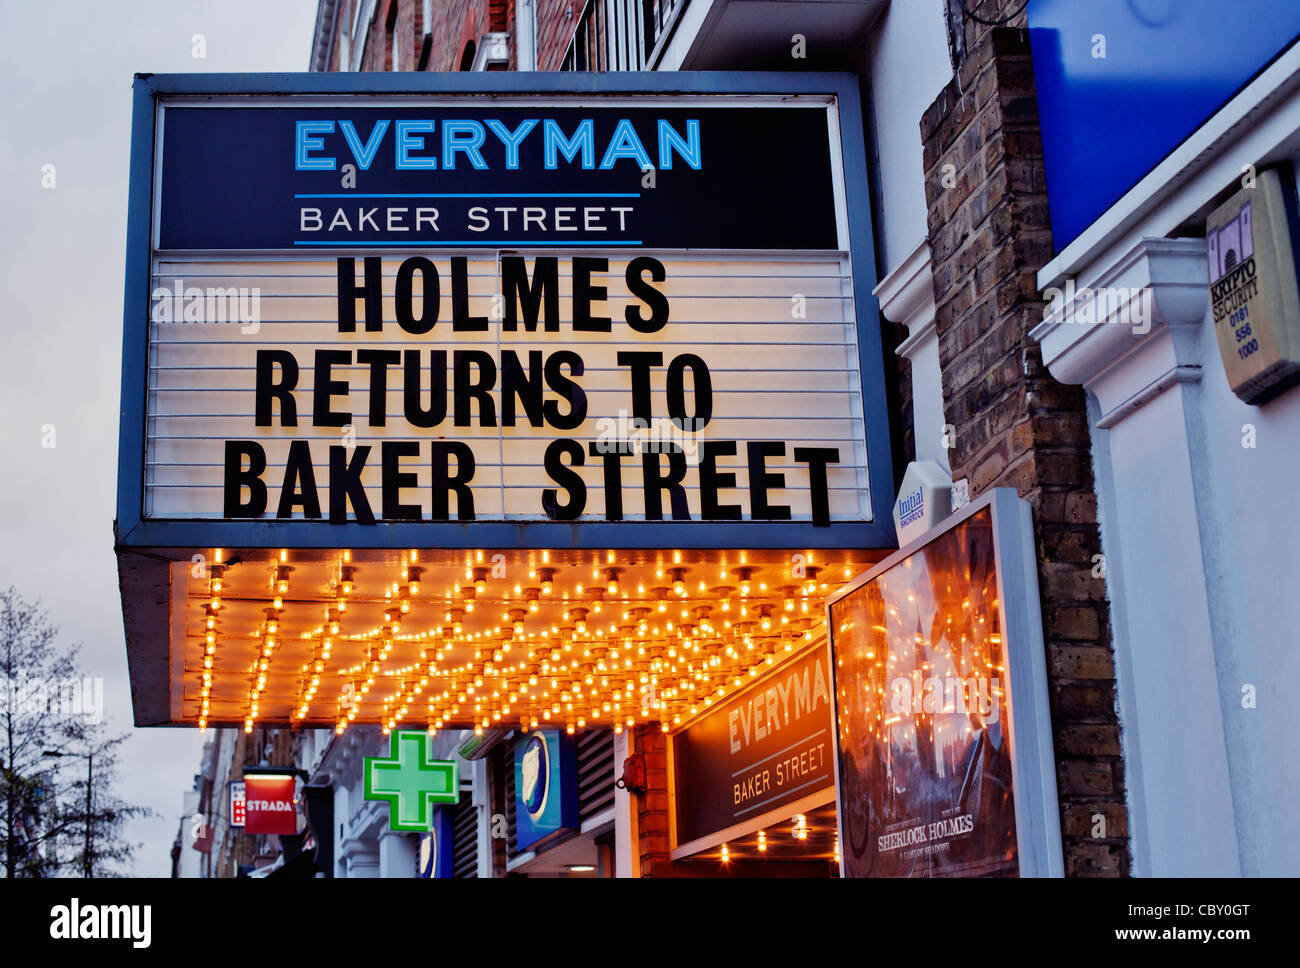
[(923, 732)]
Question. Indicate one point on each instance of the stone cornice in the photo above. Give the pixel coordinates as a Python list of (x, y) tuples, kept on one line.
[(1161, 282), (907, 297)]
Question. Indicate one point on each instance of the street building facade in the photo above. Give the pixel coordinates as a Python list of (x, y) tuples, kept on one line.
[(1059, 259)]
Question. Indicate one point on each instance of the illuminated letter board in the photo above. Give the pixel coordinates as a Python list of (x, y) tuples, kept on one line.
[(512, 310)]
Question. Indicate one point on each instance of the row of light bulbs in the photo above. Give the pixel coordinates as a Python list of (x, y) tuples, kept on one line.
[(798, 831), (575, 674)]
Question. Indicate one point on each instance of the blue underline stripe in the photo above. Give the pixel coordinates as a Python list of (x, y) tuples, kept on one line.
[(472, 195), (493, 242)]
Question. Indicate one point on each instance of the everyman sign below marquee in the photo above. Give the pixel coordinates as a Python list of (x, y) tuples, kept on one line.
[(506, 303)]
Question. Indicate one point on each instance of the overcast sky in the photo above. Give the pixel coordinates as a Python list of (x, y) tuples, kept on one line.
[(66, 74)]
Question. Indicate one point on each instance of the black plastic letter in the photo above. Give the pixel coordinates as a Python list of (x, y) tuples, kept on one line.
[(443, 482), (569, 479), (403, 295), (817, 458), (655, 300), (299, 483), (372, 290), (236, 479), (267, 389), (760, 479), (345, 485)]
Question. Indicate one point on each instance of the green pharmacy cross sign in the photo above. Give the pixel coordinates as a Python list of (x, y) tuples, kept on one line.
[(410, 781)]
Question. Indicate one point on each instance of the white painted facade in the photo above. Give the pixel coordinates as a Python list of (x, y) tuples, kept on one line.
[(1198, 514), (907, 64)]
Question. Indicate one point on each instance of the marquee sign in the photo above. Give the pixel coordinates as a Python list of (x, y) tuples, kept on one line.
[(634, 305), (434, 381)]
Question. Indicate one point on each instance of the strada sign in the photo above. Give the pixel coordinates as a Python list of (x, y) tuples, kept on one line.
[(599, 304), (270, 806)]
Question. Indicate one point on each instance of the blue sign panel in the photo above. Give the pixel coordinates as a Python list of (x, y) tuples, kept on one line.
[(1121, 83), (351, 177), (435, 858), (546, 786)]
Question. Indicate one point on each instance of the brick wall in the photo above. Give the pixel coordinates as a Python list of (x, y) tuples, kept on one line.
[(652, 806), (456, 25), (1015, 425)]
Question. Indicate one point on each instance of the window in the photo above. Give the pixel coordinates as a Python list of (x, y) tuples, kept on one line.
[(394, 40), (625, 24), (345, 38), (660, 15), (362, 11), (585, 52), (633, 30)]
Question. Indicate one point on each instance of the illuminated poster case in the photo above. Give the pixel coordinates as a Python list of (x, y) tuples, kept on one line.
[(944, 747)]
